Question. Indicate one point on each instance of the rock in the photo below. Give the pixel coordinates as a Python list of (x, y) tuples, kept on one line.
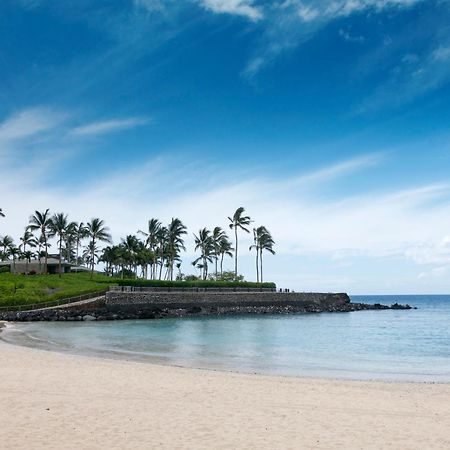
[(88, 317), (398, 306)]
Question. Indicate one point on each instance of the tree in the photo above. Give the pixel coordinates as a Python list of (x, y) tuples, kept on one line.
[(238, 221), (7, 243), (27, 256), (14, 252), (175, 243), (256, 247), (265, 243), (217, 236), (162, 248), (152, 236), (204, 243), (28, 239), (90, 254), (225, 249), (262, 241), (70, 238), (80, 233), (97, 231), (40, 221), (58, 227)]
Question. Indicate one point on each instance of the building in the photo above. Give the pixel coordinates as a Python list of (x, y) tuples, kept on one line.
[(37, 266)]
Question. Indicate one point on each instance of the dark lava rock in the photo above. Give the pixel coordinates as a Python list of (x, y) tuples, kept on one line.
[(398, 306)]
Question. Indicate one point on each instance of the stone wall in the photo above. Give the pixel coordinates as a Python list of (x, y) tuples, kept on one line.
[(118, 301)]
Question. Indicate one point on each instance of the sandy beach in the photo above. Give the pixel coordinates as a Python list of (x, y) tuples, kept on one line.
[(52, 400)]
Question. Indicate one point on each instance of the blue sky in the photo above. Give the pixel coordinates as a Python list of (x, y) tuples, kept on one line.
[(327, 120)]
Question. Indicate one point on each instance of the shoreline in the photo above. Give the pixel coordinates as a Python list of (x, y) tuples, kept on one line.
[(89, 402)]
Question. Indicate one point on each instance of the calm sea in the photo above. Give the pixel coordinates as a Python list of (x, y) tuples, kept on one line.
[(409, 345)]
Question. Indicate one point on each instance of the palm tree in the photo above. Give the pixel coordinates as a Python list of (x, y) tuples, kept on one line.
[(225, 249), (58, 227), (204, 243), (41, 221), (256, 247), (7, 242), (28, 239), (131, 246), (162, 248), (97, 231), (41, 253), (14, 252), (238, 221), (152, 241), (175, 243), (27, 256), (265, 243), (217, 235), (70, 237), (90, 254), (80, 233)]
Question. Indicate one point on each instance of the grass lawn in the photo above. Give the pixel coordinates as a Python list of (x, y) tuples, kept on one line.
[(27, 289)]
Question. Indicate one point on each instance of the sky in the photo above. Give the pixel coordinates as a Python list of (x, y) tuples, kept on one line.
[(327, 120)]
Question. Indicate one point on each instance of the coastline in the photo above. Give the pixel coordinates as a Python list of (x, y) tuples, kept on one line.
[(91, 402)]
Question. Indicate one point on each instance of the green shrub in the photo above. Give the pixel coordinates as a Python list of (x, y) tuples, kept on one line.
[(194, 283)]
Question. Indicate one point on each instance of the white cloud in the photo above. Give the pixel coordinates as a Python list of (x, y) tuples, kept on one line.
[(108, 126), (244, 8)]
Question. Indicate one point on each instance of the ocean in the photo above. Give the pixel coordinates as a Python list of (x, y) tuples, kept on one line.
[(391, 345)]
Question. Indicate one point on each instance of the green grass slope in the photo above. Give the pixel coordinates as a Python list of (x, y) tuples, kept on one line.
[(22, 290)]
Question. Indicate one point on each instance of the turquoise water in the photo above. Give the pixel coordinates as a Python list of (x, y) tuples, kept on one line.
[(409, 345)]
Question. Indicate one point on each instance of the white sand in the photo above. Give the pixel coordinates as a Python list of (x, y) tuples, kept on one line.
[(56, 401)]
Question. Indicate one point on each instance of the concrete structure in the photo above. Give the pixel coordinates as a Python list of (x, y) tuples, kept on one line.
[(120, 301)]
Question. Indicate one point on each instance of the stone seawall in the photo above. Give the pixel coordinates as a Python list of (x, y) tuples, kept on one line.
[(119, 301)]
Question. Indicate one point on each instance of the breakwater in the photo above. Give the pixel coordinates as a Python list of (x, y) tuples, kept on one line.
[(136, 304)]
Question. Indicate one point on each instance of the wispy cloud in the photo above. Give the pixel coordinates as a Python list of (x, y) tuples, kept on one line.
[(411, 78), (290, 23), (246, 8), (347, 36), (29, 122), (109, 126)]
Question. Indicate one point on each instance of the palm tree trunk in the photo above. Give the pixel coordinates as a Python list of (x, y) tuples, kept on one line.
[(46, 255), (221, 264), (162, 263), (261, 262), (236, 253), (60, 251), (257, 268), (92, 256)]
